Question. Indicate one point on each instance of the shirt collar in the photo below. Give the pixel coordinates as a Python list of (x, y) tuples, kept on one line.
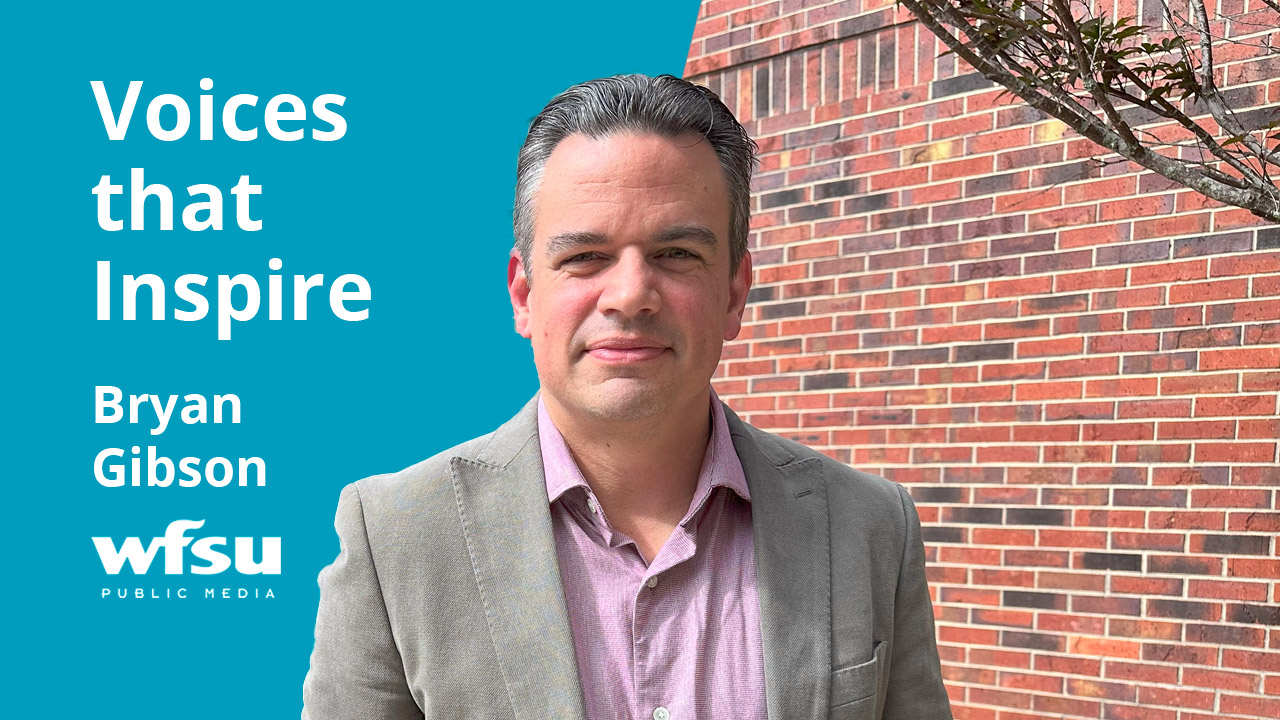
[(720, 464)]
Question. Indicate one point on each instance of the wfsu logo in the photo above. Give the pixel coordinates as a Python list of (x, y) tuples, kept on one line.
[(174, 547)]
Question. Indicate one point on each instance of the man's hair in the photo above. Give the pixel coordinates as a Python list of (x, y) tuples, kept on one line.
[(665, 106)]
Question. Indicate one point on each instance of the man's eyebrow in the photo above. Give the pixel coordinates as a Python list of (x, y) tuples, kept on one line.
[(696, 233), (573, 239), (569, 240)]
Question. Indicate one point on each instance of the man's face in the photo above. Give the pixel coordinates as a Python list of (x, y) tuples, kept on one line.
[(628, 298)]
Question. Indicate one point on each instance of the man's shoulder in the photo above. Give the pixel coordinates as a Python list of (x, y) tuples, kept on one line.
[(421, 476), (843, 482), (430, 482)]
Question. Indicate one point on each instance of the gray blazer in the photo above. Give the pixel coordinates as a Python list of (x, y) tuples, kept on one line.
[(445, 600)]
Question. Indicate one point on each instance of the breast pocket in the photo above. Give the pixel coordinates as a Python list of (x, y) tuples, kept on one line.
[(854, 688)]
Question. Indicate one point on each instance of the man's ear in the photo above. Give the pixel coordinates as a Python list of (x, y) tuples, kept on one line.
[(518, 289), (739, 285)]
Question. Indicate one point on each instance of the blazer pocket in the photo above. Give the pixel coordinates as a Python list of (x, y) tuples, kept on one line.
[(854, 687)]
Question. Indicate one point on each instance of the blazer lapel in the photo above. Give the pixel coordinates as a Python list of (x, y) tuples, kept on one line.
[(793, 572), (502, 501)]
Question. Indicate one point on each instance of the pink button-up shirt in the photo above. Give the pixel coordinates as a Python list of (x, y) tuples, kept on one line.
[(677, 638)]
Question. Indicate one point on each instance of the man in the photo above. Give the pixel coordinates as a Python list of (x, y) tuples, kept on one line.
[(625, 546)]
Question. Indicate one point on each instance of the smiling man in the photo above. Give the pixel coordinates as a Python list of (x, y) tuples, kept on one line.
[(625, 546)]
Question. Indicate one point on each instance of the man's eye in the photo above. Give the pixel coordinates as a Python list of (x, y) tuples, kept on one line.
[(581, 257), (679, 253)]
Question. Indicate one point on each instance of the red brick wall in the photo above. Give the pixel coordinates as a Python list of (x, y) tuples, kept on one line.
[(1074, 369)]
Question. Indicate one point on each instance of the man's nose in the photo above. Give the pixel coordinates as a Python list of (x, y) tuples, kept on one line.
[(630, 287)]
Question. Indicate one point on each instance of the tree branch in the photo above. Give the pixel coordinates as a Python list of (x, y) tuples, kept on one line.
[(1225, 117), (1055, 46), (1069, 26)]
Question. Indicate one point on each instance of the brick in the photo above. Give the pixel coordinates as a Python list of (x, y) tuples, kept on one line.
[(1199, 384), (826, 381), (1198, 430), (1171, 225), (1062, 706), (1150, 498), (990, 183), (1056, 304), (985, 351), (1077, 454), (1224, 635), (1153, 453), (1020, 328), (1030, 156), (1146, 629), (1048, 391), (1200, 338), (1253, 614), (1213, 244), (958, 84), (1071, 665), (1183, 609), (1112, 605), (1268, 475), (1089, 237), (1184, 565), (1233, 681), (1133, 253), (1084, 366), (1105, 647), (1036, 516), (1235, 405), (1179, 654), (973, 515), (1110, 561), (1144, 206), (785, 197), (1235, 452), (1254, 522), (1032, 641), (1141, 672), (1013, 371), (835, 189), (1247, 659), (1250, 707), (1179, 698), (1001, 617), (1112, 475), (1170, 272), (1037, 558), (1033, 682), (1260, 429), (1043, 348), (1255, 263), (1061, 217), (1160, 363), (1168, 542), (1208, 291), (1145, 586), (1253, 568), (1099, 322), (1051, 601), (1022, 244)]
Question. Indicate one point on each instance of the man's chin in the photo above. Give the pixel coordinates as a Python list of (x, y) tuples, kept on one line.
[(625, 400)]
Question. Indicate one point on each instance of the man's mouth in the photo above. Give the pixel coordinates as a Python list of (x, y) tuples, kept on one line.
[(622, 350)]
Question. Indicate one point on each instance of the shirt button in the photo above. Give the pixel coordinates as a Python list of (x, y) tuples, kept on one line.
[(661, 714), (653, 582), (591, 503)]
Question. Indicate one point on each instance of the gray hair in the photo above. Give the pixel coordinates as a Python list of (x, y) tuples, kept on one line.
[(665, 106)]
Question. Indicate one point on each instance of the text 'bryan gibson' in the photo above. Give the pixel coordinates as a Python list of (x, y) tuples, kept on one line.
[(151, 469)]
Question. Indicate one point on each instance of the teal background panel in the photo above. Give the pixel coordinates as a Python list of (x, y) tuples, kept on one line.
[(416, 198)]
